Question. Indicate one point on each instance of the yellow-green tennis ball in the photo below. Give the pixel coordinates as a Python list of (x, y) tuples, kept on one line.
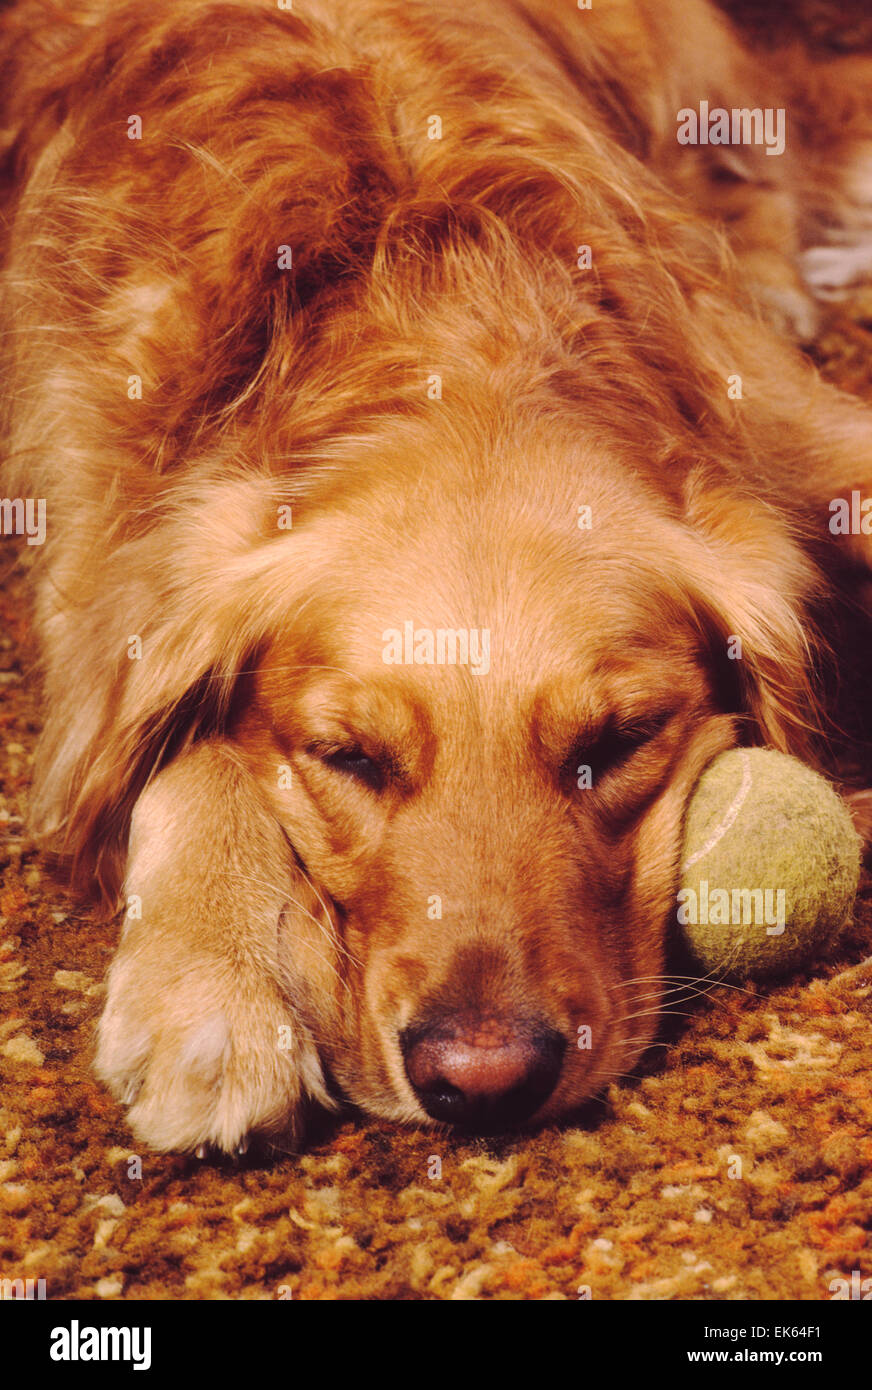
[(770, 868)]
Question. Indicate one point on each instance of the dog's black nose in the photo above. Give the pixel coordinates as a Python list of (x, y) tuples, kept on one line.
[(482, 1073)]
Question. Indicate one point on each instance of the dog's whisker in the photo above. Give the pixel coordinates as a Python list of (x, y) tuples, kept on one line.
[(679, 994), (656, 1013), (658, 979), (710, 979), (682, 991)]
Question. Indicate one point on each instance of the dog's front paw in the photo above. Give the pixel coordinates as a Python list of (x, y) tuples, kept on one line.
[(201, 1058)]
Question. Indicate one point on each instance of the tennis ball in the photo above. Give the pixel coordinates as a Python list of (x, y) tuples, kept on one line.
[(770, 868)]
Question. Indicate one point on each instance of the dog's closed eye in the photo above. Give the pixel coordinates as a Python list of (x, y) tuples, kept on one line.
[(354, 763), (609, 750)]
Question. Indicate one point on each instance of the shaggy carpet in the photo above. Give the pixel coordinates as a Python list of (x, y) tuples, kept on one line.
[(736, 1165)]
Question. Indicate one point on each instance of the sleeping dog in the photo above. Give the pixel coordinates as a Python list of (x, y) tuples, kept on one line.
[(340, 341)]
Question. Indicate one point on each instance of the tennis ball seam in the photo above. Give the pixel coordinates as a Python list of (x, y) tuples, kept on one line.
[(730, 815)]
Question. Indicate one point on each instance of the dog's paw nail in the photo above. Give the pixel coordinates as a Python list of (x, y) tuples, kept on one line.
[(242, 1146), (202, 1151)]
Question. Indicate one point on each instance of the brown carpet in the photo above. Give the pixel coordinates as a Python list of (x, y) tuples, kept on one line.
[(738, 1167)]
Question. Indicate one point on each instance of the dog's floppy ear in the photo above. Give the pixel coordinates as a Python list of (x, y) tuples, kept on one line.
[(169, 643), (754, 593)]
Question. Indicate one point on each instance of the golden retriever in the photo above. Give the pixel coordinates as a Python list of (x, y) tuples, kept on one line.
[(427, 502)]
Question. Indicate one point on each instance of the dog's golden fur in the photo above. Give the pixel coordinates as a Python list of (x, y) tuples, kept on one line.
[(434, 387)]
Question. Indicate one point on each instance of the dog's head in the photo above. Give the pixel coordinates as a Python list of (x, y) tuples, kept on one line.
[(479, 722)]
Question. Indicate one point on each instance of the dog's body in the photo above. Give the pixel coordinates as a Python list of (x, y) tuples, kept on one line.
[(414, 458)]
